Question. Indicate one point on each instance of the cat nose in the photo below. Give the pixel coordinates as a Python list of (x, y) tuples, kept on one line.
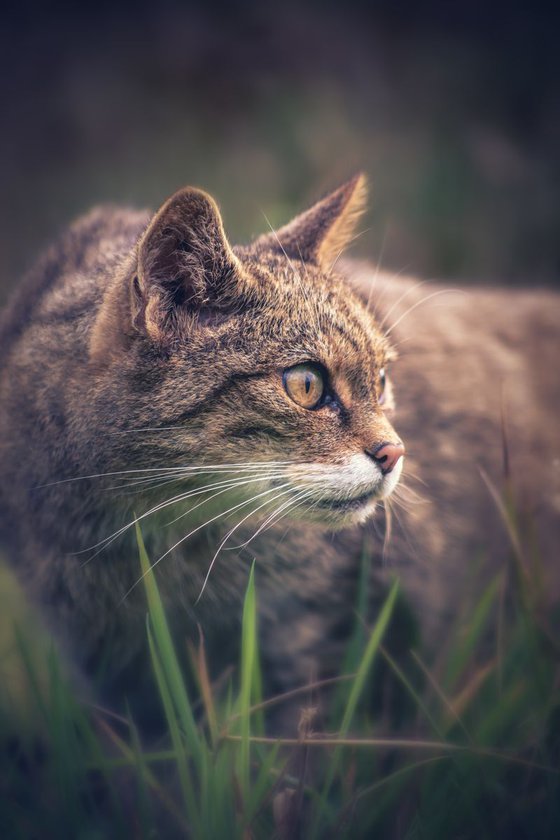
[(386, 455)]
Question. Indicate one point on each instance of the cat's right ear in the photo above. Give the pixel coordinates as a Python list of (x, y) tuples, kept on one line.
[(184, 268), (320, 235)]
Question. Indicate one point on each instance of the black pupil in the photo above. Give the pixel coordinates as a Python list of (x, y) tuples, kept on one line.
[(307, 383)]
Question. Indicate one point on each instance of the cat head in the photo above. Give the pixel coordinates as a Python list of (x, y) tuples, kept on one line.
[(258, 361)]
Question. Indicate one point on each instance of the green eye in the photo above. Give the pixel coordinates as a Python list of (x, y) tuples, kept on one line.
[(305, 385)]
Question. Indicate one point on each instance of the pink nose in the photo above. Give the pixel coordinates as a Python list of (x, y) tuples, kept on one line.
[(387, 455)]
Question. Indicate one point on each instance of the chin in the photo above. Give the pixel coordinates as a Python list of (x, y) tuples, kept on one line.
[(341, 513), (356, 516)]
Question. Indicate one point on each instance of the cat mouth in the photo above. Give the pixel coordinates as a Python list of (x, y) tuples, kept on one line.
[(349, 504)]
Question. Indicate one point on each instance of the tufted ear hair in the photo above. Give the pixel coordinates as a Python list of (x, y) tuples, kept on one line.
[(321, 233), (185, 263)]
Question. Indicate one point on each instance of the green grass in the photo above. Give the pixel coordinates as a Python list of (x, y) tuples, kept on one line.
[(474, 751)]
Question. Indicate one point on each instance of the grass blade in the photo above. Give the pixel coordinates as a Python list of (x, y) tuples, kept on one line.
[(356, 689), (248, 666), (166, 653), (187, 787)]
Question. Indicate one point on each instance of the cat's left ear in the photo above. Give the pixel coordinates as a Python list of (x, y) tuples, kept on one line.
[(320, 234), (183, 271), (185, 262)]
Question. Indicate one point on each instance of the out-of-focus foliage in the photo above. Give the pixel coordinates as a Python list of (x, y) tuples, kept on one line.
[(463, 745), (452, 109)]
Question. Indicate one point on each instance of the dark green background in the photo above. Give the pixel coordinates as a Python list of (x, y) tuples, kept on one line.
[(451, 108)]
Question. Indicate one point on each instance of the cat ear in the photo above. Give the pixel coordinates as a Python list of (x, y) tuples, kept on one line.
[(182, 271), (185, 264), (321, 233)]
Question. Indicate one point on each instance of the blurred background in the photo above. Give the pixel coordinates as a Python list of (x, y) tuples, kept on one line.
[(451, 107), (453, 110)]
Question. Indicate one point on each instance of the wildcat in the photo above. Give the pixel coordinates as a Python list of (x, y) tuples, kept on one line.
[(236, 401)]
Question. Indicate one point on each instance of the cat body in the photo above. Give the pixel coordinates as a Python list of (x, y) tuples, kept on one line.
[(478, 396), (145, 359)]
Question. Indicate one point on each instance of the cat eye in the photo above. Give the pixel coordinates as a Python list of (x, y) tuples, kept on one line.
[(305, 385)]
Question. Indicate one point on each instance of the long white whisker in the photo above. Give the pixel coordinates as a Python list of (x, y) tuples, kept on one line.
[(388, 530), (270, 519), (277, 515), (342, 250), (403, 503), (195, 469), (410, 495), (232, 531), (136, 488), (408, 291), (394, 275), (414, 475), (232, 483), (290, 263), (198, 528), (377, 265), (420, 302), (312, 301), (421, 560), (305, 293), (396, 344)]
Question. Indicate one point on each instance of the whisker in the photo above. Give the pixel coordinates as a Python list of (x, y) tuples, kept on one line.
[(272, 230), (405, 532), (290, 506), (413, 497), (269, 520), (388, 530), (232, 531), (396, 344), (189, 469), (377, 265), (414, 475), (394, 275), (107, 541), (342, 250), (149, 485), (312, 303), (420, 302), (408, 291), (406, 505), (198, 528), (231, 484)]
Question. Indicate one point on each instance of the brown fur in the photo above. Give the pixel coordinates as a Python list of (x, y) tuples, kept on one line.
[(142, 344)]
